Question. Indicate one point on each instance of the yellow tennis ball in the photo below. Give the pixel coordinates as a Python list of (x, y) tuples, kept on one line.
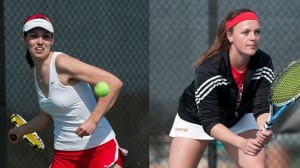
[(101, 89)]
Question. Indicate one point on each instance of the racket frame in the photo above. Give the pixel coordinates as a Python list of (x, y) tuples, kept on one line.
[(26, 138), (272, 118), (284, 105)]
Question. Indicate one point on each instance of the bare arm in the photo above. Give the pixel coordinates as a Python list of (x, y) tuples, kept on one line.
[(248, 146), (263, 137), (72, 68), (261, 120)]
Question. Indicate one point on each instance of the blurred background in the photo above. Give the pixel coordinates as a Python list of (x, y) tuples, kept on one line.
[(180, 31), (110, 34)]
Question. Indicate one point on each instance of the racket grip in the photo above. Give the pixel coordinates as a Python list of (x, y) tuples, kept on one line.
[(267, 126), (13, 137)]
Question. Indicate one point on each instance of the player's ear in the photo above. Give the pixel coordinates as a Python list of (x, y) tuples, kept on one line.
[(23, 38), (229, 36), (52, 41)]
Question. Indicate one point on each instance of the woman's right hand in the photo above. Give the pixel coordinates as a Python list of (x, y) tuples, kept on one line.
[(14, 136), (251, 147)]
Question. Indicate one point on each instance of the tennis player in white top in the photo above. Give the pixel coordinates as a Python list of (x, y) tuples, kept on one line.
[(83, 137)]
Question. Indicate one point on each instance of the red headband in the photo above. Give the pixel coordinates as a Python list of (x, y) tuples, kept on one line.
[(241, 17)]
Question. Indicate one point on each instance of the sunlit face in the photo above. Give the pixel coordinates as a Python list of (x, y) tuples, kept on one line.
[(38, 42), (245, 37)]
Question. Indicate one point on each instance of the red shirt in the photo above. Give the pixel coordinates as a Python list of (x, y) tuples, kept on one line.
[(238, 77), (239, 80)]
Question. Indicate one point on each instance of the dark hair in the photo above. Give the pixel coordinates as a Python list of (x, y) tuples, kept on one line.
[(28, 56), (221, 42), (29, 59)]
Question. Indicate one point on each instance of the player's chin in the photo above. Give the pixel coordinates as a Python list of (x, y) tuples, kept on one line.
[(251, 51)]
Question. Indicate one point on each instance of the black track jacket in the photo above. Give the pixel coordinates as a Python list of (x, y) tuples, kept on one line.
[(212, 97)]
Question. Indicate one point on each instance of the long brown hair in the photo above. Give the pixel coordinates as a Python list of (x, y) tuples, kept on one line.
[(221, 42)]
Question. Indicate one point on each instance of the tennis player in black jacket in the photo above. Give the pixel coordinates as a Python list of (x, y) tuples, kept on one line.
[(228, 100)]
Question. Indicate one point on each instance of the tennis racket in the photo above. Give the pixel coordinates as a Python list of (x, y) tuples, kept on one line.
[(285, 90), (31, 139)]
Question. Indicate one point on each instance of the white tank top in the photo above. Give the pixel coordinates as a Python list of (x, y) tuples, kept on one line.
[(69, 107)]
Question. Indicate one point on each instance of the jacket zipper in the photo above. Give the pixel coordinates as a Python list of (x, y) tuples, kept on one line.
[(239, 99)]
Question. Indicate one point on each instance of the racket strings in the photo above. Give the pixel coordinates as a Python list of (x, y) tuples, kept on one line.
[(286, 86)]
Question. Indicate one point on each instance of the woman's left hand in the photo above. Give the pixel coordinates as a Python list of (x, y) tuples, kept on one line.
[(264, 137), (86, 128)]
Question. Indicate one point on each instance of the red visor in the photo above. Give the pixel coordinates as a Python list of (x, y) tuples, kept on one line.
[(38, 20)]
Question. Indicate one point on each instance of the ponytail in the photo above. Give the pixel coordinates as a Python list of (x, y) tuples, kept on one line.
[(28, 56), (29, 59)]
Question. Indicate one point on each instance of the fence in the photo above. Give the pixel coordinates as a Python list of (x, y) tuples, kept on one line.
[(179, 32)]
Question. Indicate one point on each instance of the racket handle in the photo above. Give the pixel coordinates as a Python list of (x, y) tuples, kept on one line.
[(13, 137), (267, 126)]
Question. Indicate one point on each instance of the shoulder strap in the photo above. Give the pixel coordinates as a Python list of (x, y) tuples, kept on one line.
[(53, 73)]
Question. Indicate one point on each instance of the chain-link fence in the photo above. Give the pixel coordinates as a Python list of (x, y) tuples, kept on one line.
[(110, 34), (179, 32)]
